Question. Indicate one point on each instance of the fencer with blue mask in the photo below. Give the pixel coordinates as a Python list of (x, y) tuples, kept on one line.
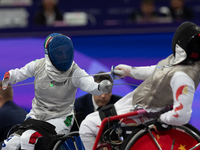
[(55, 89)]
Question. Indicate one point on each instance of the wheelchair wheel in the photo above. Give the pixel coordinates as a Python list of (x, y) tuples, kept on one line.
[(179, 137), (71, 141)]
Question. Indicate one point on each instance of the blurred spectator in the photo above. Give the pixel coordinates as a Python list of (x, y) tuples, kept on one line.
[(49, 13), (179, 11), (10, 113), (146, 14)]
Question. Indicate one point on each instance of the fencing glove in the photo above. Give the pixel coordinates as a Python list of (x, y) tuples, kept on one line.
[(122, 70), (5, 81), (105, 86)]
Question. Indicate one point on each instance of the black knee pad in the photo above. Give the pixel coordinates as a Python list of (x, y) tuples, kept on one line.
[(46, 129)]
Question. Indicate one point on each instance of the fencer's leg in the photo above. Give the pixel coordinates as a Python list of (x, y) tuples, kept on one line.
[(88, 141), (29, 139), (88, 130), (12, 143), (63, 125)]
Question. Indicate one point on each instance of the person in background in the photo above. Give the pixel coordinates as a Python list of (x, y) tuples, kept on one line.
[(10, 113), (89, 103), (146, 14), (48, 14), (179, 11)]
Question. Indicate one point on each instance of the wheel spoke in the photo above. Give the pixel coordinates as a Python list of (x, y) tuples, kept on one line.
[(173, 144), (197, 145), (154, 139)]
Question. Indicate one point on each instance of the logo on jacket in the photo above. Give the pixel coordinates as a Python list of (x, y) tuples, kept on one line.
[(181, 90)]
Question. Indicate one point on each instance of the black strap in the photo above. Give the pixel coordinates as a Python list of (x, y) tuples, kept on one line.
[(107, 111), (46, 129)]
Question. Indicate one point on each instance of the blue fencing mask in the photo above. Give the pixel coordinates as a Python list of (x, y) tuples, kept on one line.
[(60, 50)]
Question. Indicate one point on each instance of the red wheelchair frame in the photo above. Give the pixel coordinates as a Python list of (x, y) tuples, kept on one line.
[(143, 136), (151, 134), (112, 119)]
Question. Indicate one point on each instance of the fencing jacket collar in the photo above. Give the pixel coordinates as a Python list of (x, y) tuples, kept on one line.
[(179, 56), (55, 74)]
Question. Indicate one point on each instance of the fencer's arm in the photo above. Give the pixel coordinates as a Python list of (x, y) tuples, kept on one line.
[(86, 84), (142, 73), (139, 73), (17, 75), (183, 88)]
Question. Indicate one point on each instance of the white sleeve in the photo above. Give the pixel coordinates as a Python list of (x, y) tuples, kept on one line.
[(183, 88), (85, 82), (23, 73), (142, 73)]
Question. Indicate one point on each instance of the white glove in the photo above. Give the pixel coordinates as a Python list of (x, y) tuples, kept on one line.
[(105, 86), (122, 70), (5, 81)]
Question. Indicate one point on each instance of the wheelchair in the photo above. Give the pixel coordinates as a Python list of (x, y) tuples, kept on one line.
[(179, 137), (70, 141), (50, 141), (142, 137)]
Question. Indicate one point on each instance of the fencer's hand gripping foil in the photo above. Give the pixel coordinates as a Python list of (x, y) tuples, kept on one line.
[(5, 81), (115, 74), (105, 86)]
